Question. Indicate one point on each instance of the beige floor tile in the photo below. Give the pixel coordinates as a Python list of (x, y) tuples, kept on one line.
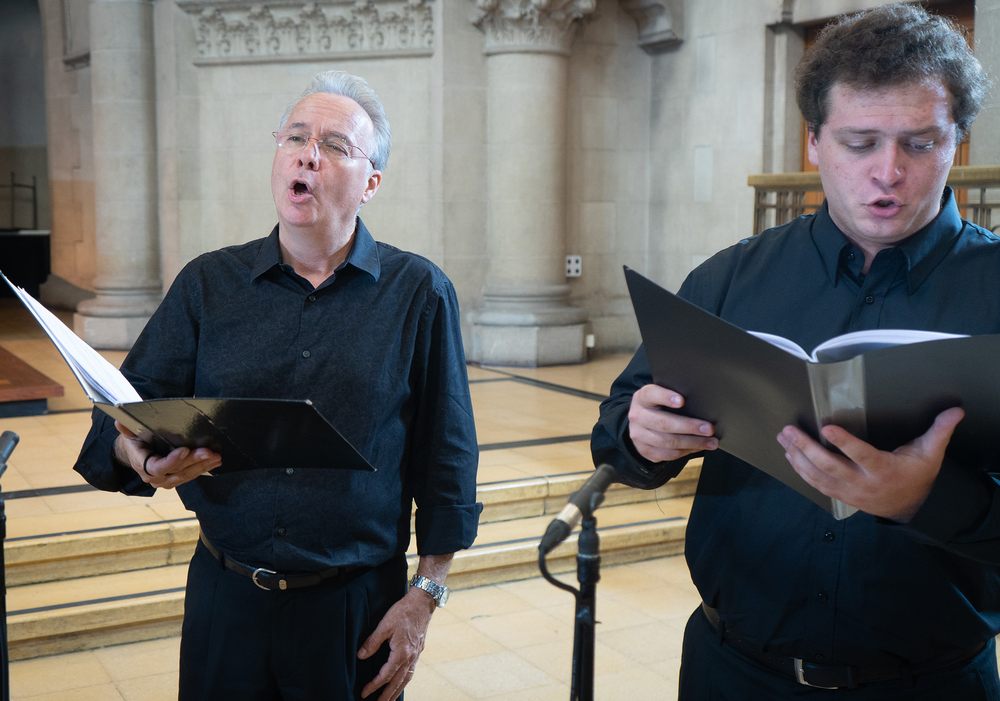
[(540, 593), (26, 508), (154, 687), (547, 692), (83, 501), (667, 601), (457, 641), (468, 604), (46, 675), (428, 685), (79, 520), (522, 629), (491, 474), (103, 692), (631, 684), (497, 675), (556, 659), (140, 659), (650, 643)]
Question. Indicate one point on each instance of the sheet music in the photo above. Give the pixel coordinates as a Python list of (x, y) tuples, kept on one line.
[(101, 380)]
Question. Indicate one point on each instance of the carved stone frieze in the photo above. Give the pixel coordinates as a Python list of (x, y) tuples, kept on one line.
[(661, 23), (282, 30), (545, 26)]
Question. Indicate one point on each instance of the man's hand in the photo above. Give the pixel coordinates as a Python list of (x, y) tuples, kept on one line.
[(179, 466), (405, 627), (891, 485), (661, 435)]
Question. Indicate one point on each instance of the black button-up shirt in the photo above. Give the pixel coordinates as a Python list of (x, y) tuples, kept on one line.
[(377, 348), (780, 570)]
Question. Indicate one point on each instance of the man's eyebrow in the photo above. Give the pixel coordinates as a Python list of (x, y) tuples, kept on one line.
[(848, 131)]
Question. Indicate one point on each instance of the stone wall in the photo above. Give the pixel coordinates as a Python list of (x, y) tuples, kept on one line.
[(69, 127), (660, 135)]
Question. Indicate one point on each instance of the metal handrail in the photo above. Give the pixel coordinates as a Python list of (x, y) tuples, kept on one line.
[(789, 190)]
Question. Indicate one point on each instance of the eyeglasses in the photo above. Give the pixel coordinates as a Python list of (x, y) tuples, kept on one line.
[(333, 147)]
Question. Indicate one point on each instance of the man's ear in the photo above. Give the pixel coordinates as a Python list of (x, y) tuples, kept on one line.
[(374, 180), (812, 146)]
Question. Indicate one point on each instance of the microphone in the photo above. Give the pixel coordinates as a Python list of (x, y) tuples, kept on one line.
[(581, 503), (8, 440)]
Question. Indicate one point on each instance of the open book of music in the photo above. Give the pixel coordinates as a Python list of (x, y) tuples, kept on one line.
[(248, 433), (884, 386)]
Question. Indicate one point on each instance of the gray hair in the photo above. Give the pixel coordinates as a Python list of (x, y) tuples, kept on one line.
[(356, 88)]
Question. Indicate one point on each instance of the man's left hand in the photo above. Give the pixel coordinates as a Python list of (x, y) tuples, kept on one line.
[(405, 627), (891, 485)]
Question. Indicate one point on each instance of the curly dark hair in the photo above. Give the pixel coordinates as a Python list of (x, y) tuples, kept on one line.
[(885, 47)]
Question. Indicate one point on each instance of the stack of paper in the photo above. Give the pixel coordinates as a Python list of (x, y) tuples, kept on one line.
[(100, 379)]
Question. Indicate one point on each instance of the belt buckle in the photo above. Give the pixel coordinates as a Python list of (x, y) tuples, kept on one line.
[(800, 675), (282, 584)]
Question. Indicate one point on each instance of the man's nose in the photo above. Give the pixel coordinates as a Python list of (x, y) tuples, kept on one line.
[(889, 167), (309, 156)]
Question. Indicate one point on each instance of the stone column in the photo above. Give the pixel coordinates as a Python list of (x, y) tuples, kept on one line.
[(525, 317), (128, 283)]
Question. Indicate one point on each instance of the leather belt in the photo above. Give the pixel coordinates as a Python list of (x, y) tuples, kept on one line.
[(271, 580), (835, 676)]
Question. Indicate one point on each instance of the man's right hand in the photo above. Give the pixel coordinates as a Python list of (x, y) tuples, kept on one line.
[(177, 467), (660, 435)]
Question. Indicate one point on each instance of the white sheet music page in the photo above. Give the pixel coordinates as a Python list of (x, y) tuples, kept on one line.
[(101, 380)]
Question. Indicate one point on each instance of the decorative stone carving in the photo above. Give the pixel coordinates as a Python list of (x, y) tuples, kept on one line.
[(540, 26), (286, 30), (661, 23)]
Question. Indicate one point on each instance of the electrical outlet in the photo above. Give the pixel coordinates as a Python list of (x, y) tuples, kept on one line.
[(574, 266), (589, 340)]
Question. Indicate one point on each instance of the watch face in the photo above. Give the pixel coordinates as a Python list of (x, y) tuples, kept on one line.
[(444, 596)]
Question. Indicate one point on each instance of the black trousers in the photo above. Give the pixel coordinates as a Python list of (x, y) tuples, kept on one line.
[(242, 642), (714, 672)]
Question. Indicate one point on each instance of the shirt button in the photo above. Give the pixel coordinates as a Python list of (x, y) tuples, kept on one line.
[(869, 300), (281, 531), (306, 354), (289, 470), (312, 298), (829, 536), (850, 256), (822, 597)]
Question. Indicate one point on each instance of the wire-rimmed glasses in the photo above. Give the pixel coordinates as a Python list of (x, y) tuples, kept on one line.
[(333, 147)]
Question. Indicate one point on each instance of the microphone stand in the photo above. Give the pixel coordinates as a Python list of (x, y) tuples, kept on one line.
[(588, 574), (8, 440)]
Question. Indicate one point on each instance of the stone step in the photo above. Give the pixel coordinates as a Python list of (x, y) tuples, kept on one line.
[(62, 616), (122, 548)]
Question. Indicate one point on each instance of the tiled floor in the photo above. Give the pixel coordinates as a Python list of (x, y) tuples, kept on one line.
[(509, 641)]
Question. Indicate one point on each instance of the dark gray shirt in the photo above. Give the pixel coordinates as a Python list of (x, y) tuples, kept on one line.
[(780, 570), (377, 347)]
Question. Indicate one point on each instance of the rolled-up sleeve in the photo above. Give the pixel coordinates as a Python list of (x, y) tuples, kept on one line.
[(445, 455)]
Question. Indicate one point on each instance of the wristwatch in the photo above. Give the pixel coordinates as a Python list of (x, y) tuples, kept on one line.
[(438, 592)]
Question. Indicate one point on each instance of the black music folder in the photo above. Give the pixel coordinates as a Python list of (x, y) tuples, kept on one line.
[(248, 433), (884, 393)]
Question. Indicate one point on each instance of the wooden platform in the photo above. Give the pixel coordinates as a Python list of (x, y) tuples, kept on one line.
[(23, 390)]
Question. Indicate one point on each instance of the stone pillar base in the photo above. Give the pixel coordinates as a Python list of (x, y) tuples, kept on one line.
[(531, 346), (109, 332), (529, 324)]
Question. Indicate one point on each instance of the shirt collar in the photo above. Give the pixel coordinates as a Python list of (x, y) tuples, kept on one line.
[(363, 255), (922, 251)]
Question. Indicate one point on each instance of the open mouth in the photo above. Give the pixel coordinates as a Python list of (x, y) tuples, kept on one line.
[(884, 203), (300, 188)]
